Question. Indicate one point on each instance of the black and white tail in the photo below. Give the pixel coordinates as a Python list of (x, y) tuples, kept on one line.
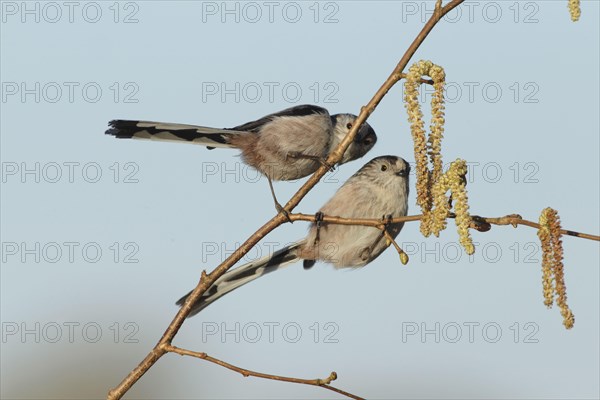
[(243, 274), (210, 137)]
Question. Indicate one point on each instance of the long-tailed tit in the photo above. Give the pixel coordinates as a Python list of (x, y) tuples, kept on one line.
[(286, 145), (378, 190)]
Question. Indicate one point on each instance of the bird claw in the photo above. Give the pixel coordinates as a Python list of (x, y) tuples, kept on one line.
[(318, 222), (281, 210)]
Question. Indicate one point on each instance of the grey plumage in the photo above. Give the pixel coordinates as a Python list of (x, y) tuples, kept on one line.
[(286, 145), (378, 190)]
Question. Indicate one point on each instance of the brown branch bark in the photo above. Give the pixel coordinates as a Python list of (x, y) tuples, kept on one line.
[(511, 219), (324, 383), (516, 219), (335, 156)]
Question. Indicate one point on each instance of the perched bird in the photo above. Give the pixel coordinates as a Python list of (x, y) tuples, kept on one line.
[(378, 190), (286, 145)]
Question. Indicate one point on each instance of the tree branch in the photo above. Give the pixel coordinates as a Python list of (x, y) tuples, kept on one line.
[(511, 219), (324, 383)]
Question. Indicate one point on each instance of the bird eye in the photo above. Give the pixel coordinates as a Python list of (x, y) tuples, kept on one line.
[(367, 141), (349, 125), (384, 167)]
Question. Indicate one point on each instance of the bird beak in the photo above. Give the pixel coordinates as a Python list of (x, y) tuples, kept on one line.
[(405, 171)]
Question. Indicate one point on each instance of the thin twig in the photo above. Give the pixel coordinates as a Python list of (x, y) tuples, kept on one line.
[(401, 253), (422, 80), (511, 219), (515, 219), (246, 372)]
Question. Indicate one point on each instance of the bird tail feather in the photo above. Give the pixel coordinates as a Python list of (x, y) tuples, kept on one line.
[(244, 274), (148, 130)]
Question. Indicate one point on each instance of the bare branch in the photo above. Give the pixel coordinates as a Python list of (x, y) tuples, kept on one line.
[(401, 253), (324, 383), (511, 219)]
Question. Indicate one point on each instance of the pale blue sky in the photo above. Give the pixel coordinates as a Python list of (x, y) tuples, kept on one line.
[(523, 111)]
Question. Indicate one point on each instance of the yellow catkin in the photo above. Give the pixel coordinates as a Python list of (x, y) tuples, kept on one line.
[(437, 121), (558, 268), (433, 185), (553, 277), (441, 205), (426, 148), (426, 224), (417, 127), (574, 10), (454, 181), (457, 182), (547, 271)]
